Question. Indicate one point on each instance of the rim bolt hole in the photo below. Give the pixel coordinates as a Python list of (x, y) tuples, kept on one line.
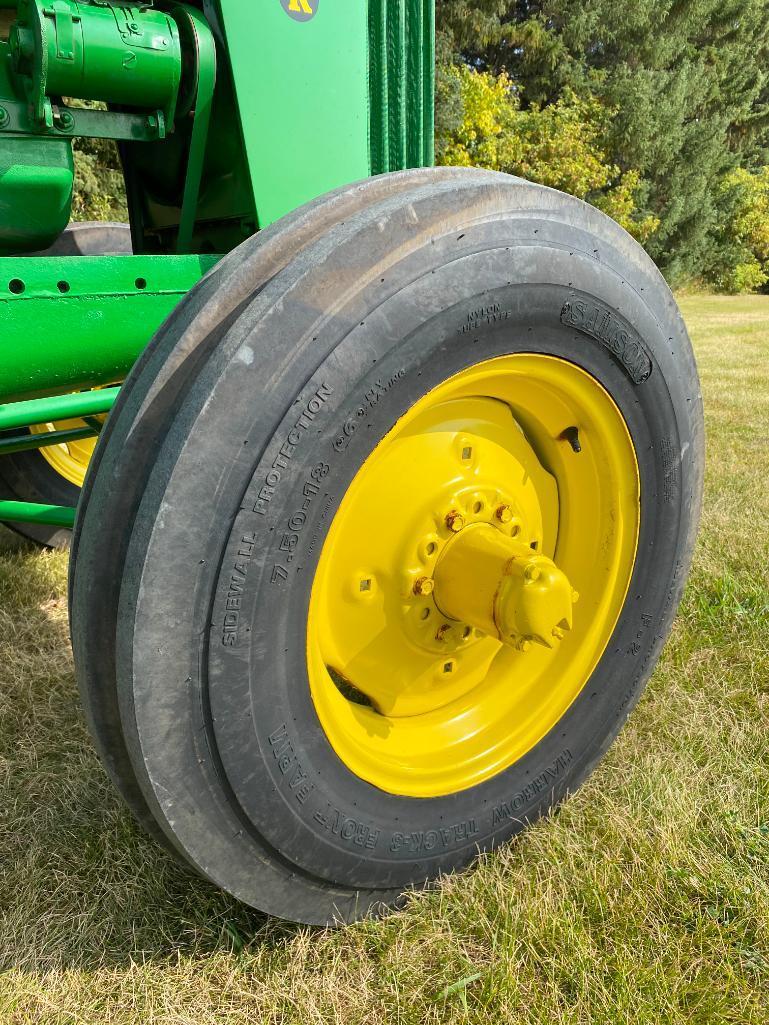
[(365, 585), (467, 453), (448, 667), (477, 507), (425, 614), (431, 548)]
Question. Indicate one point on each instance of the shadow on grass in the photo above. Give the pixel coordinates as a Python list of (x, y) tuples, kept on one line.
[(81, 886)]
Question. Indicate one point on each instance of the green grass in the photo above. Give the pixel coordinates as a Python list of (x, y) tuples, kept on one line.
[(644, 900)]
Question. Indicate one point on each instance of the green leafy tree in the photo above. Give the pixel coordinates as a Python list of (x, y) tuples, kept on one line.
[(687, 80), (99, 193), (741, 248), (99, 187), (558, 145)]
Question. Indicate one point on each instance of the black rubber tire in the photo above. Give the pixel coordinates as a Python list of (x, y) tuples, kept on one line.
[(28, 476), (91, 238), (383, 293), (127, 449)]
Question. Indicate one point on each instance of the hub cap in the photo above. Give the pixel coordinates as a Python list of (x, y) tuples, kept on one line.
[(473, 575)]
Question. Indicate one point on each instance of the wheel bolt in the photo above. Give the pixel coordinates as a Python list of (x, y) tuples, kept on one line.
[(558, 633), (424, 586), (504, 514), (455, 521), (532, 573), (575, 597), (524, 645)]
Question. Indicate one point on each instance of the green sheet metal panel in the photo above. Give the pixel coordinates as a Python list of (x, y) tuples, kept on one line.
[(329, 91), (302, 90)]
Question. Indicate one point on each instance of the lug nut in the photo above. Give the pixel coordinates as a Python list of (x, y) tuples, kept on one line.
[(524, 645), (532, 573), (444, 633), (575, 597), (504, 514), (558, 633), (424, 586), (455, 521)]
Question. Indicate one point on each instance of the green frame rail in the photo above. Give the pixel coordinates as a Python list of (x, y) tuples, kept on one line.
[(57, 407), (29, 512), (71, 326), (69, 323)]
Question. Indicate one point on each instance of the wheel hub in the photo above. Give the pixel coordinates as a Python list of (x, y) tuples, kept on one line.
[(503, 589)]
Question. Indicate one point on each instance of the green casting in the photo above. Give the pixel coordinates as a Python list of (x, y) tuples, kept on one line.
[(118, 53)]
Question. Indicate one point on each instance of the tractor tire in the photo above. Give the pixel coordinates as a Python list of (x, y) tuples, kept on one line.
[(465, 386), (127, 448), (54, 476)]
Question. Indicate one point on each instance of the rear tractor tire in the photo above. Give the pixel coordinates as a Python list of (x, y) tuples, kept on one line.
[(54, 475), (422, 498)]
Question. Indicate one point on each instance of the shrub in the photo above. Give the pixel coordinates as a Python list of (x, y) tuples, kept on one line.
[(557, 145), (741, 254)]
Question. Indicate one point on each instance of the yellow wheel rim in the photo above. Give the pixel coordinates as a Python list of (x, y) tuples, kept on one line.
[(69, 460), (473, 575)]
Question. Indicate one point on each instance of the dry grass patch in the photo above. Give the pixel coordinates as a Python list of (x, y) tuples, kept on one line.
[(644, 900)]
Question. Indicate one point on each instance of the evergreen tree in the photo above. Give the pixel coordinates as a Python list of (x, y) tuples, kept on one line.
[(689, 80)]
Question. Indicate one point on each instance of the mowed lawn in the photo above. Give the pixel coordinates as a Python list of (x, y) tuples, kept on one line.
[(644, 900)]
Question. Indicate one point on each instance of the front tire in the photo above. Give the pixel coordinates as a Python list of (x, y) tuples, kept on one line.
[(251, 543)]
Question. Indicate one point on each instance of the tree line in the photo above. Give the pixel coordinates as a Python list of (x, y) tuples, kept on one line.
[(656, 111)]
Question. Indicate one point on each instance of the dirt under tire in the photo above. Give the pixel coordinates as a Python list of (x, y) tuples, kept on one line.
[(204, 696)]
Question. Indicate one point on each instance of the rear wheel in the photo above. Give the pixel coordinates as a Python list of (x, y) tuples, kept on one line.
[(54, 475), (408, 550)]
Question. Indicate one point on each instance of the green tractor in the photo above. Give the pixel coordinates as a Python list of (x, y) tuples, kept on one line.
[(398, 469)]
